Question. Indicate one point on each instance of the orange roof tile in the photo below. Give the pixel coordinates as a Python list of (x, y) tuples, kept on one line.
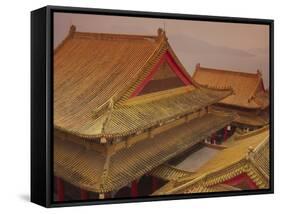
[(94, 72), (140, 113), (90, 69), (98, 172), (247, 87), (248, 154)]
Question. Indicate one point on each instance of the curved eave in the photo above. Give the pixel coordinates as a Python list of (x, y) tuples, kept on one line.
[(89, 170), (252, 106), (127, 120), (254, 122)]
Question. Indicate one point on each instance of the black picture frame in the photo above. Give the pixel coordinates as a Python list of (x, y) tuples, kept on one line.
[(42, 102)]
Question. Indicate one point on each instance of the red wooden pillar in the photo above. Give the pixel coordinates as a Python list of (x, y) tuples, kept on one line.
[(108, 195), (154, 184), (225, 134), (60, 189), (213, 138), (84, 194), (134, 189)]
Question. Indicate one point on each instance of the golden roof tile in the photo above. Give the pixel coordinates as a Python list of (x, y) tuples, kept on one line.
[(92, 70), (248, 87), (250, 155), (168, 172), (143, 112), (248, 118), (103, 172)]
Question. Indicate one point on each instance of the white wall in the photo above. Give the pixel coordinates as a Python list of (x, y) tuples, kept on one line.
[(15, 106)]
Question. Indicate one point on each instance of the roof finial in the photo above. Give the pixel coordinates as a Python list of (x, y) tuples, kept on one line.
[(72, 30), (160, 31), (197, 67), (259, 72), (161, 34)]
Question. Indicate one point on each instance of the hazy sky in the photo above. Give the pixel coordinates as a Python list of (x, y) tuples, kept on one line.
[(241, 47)]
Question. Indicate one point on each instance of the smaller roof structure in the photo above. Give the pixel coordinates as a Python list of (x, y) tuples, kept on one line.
[(249, 155), (248, 88)]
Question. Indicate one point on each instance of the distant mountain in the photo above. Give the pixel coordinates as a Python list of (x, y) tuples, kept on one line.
[(192, 51)]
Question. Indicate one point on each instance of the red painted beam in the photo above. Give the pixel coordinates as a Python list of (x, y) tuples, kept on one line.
[(149, 77), (60, 189), (242, 178), (175, 68)]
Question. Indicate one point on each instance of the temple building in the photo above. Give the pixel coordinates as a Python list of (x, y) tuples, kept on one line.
[(241, 164), (123, 106), (250, 100)]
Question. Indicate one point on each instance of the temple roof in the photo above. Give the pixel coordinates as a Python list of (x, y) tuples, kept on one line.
[(248, 88), (143, 112), (96, 74), (248, 153), (98, 172)]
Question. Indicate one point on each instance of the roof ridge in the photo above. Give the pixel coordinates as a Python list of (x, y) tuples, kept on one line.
[(257, 74), (73, 32), (96, 35), (110, 36), (215, 88), (114, 36)]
